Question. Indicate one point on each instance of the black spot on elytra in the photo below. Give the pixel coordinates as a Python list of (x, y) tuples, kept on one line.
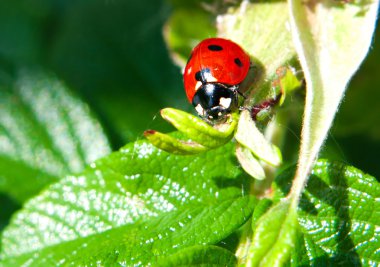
[(238, 62), (215, 48), (200, 75)]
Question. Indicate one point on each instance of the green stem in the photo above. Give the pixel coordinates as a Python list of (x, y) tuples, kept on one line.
[(275, 133)]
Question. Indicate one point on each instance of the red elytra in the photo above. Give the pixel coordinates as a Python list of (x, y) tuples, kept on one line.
[(215, 60)]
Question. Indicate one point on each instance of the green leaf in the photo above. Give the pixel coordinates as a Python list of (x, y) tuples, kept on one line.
[(274, 236), (142, 243), (261, 208), (339, 215), (199, 130), (249, 163), (287, 81), (202, 135), (173, 145), (250, 136), (200, 256), (331, 40), (45, 133), (131, 206)]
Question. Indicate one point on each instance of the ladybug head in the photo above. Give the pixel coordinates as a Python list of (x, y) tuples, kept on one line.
[(213, 101)]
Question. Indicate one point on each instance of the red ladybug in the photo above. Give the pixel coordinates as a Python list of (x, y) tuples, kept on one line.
[(212, 76)]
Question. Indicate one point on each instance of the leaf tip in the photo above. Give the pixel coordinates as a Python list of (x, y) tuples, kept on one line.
[(148, 133), (165, 112)]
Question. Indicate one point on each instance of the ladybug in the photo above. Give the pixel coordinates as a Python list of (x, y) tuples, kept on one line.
[(212, 76)]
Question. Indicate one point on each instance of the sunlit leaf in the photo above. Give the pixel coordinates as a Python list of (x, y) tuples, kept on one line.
[(338, 214), (46, 132), (331, 40), (131, 206), (274, 235)]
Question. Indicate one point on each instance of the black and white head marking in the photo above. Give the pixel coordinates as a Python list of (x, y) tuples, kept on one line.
[(213, 101)]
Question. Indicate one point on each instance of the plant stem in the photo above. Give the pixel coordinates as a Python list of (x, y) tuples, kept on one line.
[(275, 134)]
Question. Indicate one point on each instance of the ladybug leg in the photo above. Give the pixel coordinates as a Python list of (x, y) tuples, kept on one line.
[(242, 95), (235, 88)]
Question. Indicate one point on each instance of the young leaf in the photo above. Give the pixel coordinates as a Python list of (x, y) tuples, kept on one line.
[(261, 208), (249, 163), (331, 40), (338, 214), (199, 130), (274, 236), (45, 133), (248, 135), (132, 205), (173, 145)]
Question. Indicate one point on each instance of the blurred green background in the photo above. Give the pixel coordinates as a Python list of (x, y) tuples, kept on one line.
[(113, 55)]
